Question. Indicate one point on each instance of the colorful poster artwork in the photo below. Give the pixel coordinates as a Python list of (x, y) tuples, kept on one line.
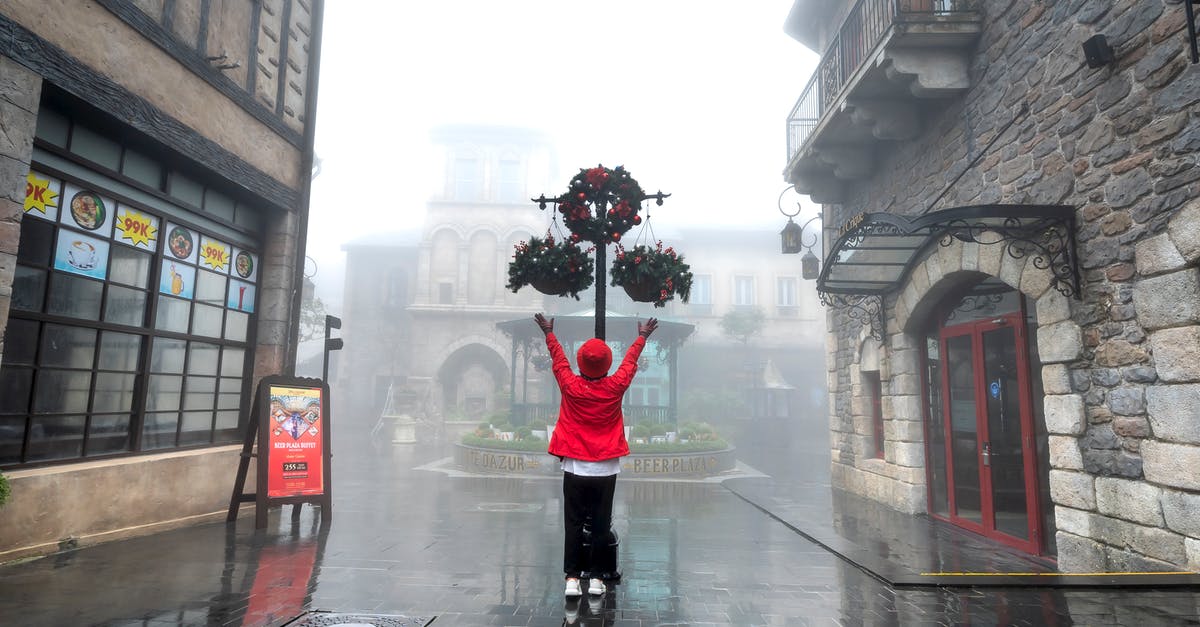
[(136, 228), (81, 254), (214, 254), (244, 264), (41, 195), (181, 243), (88, 210), (241, 296), (295, 442), (177, 279)]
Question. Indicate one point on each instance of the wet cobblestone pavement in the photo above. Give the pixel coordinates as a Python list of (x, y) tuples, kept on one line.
[(424, 547)]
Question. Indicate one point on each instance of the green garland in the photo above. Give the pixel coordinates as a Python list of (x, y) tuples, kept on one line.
[(663, 272), (616, 190), (550, 266)]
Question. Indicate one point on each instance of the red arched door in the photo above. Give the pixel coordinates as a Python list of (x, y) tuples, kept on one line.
[(985, 450)]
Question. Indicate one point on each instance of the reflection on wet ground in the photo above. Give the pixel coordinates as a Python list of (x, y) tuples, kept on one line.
[(448, 550)]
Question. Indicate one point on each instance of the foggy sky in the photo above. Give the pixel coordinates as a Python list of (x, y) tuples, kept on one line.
[(692, 96)]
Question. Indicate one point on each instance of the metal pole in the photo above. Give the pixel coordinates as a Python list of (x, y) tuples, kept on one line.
[(601, 272), (325, 349)]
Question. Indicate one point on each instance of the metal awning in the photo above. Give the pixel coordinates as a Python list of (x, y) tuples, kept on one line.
[(875, 252)]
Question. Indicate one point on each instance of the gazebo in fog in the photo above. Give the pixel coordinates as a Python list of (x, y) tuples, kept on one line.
[(643, 401)]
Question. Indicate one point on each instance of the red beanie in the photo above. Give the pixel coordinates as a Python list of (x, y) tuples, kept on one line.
[(594, 358)]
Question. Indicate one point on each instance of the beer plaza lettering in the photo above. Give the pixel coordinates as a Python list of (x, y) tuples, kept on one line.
[(664, 465)]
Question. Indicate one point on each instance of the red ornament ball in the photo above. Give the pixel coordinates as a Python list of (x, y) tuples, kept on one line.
[(616, 237), (637, 219)]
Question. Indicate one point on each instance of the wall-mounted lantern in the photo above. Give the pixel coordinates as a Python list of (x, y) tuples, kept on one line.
[(792, 239)]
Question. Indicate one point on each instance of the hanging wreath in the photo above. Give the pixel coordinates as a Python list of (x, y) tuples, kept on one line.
[(615, 190), (551, 267), (652, 275)]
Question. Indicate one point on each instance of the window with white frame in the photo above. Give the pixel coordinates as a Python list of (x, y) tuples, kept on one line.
[(508, 185), (701, 290), (468, 178), (785, 291), (743, 291)]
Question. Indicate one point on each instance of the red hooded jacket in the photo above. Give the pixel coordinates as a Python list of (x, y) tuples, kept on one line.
[(590, 424)]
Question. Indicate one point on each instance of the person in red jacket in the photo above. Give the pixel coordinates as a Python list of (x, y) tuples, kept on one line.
[(589, 438)]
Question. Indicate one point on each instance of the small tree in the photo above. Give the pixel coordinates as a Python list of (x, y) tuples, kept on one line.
[(743, 324)]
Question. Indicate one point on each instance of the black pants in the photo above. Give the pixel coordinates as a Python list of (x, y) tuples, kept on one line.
[(585, 499)]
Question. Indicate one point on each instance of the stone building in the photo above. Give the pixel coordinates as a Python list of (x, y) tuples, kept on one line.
[(421, 306), (1012, 267), (154, 170)]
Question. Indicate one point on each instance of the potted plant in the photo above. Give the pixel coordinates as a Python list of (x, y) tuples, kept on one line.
[(552, 267), (652, 274), (524, 432)]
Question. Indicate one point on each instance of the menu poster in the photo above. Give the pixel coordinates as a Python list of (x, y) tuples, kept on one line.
[(136, 228), (214, 254), (88, 210), (177, 279), (181, 243), (295, 442), (244, 264), (80, 254), (241, 296), (41, 195)]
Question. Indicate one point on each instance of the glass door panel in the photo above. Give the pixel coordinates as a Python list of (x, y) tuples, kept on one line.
[(1004, 451), (938, 482), (964, 432)]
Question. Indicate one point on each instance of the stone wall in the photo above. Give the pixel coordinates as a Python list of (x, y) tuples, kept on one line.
[(1119, 366)]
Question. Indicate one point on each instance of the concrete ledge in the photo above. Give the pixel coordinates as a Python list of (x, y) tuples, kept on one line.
[(639, 465)]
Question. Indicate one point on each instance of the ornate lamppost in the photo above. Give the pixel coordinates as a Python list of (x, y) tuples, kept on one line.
[(600, 206)]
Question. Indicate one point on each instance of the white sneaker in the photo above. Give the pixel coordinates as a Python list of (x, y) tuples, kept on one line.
[(573, 587), (596, 586)]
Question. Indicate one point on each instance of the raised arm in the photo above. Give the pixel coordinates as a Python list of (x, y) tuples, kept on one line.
[(624, 374), (560, 366)]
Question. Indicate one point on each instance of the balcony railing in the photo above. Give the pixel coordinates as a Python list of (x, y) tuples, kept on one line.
[(862, 31)]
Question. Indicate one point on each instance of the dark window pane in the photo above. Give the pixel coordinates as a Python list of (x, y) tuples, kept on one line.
[(206, 321), (167, 355), (12, 438), (119, 351), (20, 342), (67, 347), (218, 204), (200, 393), (55, 437), (210, 288), (125, 306), (15, 385), (185, 189), (37, 243), (233, 360), (53, 127), (172, 314), (143, 169), (164, 392), (74, 296), (159, 430), (61, 391), (197, 428), (91, 145), (202, 358), (114, 392), (129, 266), (108, 434), (236, 324), (29, 288)]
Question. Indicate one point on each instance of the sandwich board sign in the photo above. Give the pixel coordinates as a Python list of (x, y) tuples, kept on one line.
[(290, 421)]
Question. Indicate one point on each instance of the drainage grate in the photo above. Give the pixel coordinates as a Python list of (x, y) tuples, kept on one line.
[(326, 619)]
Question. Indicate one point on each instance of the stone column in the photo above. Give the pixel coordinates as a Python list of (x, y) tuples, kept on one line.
[(20, 91)]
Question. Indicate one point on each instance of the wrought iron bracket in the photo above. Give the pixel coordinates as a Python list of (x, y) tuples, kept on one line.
[(1049, 243), (866, 309)]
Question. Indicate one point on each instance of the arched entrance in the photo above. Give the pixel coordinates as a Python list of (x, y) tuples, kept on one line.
[(985, 433), (470, 379)]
